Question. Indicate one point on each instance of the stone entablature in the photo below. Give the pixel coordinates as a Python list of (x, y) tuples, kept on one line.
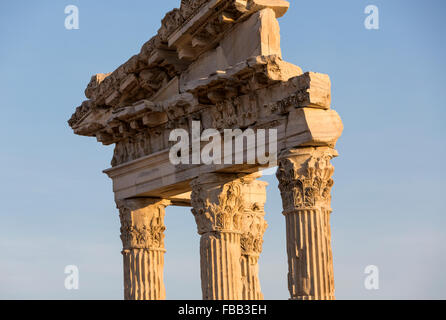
[(197, 27)]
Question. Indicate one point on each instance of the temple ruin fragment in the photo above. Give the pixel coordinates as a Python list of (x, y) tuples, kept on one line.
[(218, 62)]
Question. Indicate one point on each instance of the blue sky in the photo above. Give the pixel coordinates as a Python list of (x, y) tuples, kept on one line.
[(388, 200)]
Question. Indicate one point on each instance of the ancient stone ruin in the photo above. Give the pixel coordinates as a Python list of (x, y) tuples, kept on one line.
[(219, 63)]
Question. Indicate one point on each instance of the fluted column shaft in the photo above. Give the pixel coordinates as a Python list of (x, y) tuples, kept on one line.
[(143, 274), (251, 289), (219, 203), (220, 265), (142, 235), (305, 182)]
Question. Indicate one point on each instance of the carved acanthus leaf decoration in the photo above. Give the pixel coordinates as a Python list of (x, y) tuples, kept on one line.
[(253, 228), (217, 211), (142, 225), (306, 183)]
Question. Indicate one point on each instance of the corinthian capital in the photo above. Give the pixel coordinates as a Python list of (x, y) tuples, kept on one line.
[(220, 200), (254, 227), (217, 203), (305, 178), (253, 220), (142, 223)]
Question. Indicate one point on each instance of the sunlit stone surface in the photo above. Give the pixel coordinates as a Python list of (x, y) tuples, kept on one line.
[(218, 62)]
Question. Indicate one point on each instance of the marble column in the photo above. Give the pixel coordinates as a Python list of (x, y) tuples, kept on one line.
[(253, 229), (142, 235), (219, 203), (305, 182)]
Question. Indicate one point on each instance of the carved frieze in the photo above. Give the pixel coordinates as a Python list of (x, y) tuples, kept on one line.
[(144, 128)]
